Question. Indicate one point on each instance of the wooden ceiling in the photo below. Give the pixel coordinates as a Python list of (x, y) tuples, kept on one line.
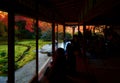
[(63, 11)]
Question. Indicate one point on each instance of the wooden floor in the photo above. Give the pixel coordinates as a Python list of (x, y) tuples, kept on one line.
[(105, 70)]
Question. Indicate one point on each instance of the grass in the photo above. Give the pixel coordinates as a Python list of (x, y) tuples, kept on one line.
[(3, 49), (30, 55), (42, 43), (20, 47), (19, 51), (3, 59)]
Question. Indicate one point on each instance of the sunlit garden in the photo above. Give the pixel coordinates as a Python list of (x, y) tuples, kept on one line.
[(24, 52), (25, 40)]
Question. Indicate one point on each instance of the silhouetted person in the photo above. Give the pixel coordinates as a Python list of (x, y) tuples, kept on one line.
[(59, 67), (70, 57), (72, 49), (80, 35)]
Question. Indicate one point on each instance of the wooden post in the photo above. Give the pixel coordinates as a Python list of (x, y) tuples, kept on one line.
[(78, 27), (37, 38), (57, 36), (84, 49), (35, 78), (11, 42), (94, 29), (73, 27), (84, 39), (64, 36), (53, 37), (79, 22)]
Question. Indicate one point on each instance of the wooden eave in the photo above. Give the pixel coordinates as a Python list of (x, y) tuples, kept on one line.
[(61, 11)]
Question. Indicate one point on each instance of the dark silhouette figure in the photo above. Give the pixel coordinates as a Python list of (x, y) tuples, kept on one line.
[(72, 50), (59, 67)]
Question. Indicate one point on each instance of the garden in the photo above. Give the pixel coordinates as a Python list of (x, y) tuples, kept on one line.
[(25, 41), (24, 53)]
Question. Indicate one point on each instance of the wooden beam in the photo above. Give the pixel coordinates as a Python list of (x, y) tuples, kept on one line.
[(100, 9), (71, 22)]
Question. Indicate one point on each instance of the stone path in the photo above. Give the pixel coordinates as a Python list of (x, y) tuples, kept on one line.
[(26, 73), (3, 79)]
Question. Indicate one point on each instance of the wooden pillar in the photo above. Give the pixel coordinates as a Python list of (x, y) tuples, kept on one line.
[(37, 38), (94, 29), (11, 42), (79, 22), (53, 37), (57, 36), (84, 49), (73, 27), (64, 36), (78, 27), (35, 78), (84, 39)]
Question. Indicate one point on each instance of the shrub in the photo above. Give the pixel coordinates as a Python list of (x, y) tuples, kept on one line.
[(2, 54), (47, 36), (4, 68)]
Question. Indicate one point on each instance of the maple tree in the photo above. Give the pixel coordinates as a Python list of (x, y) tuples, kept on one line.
[(44, 26), (29, 22), (4, 17)]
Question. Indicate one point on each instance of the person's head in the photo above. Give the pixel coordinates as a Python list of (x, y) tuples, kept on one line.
[(60, 52), (75, 37)]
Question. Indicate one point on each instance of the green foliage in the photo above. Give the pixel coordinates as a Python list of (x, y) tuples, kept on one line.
[(22, 55), (42, 43), (4, 68), (68, 36), (29, 55), (22, 33), (2, 60), (25, 34), (3, 50), (39, 30), (21, 28), (21, 24), (47, 36), (61, 36), (19, 51), (16, 66), (20, 48), (2, 54)]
